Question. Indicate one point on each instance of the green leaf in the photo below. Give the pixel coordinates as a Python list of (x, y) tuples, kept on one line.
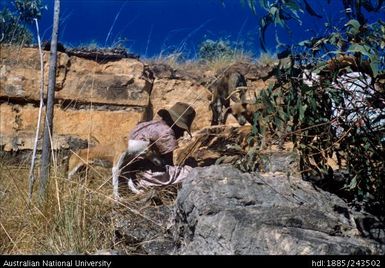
[(265, 22), (352, 185), (305, 43), (273, 10), (252, 6), (363, 49), (302, 110), (354, 25), (278, 122), (374, 64)]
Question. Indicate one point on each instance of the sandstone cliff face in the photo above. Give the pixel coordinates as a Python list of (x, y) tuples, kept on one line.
[(81, 80), (18, 124), (94, 101), (97, 101)]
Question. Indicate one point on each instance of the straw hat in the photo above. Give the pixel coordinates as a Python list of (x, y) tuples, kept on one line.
[(182, 114)]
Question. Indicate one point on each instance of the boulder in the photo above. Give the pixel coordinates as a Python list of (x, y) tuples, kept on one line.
[(220, 210)]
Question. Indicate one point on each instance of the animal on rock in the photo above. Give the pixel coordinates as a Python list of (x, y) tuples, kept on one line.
[(229, 86), (244, 112), (112, 155)]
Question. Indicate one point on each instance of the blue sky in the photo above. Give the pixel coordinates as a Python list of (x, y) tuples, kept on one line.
[(151, 27)]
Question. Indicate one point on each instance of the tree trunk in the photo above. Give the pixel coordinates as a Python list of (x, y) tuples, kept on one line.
[(48, 123), (31, 171)]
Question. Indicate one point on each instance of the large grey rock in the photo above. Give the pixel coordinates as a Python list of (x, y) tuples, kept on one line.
[(220, 210)]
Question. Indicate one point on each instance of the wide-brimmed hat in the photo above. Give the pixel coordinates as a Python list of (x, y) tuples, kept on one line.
[(182, 114)]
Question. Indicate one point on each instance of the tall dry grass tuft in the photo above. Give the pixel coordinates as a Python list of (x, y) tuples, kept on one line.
[(267, 59), (75, 219), (221, 62), (175, 59)]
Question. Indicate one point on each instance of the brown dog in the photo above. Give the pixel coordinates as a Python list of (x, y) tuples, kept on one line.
[(118, 155), (231, 85), (97, 154), (244, 112)]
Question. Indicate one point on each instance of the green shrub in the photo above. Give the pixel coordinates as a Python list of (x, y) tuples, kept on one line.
[(303, 111), (12, 31), (210, 49), (15, 19)]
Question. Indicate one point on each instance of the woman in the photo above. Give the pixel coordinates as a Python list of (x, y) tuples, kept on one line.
[(158, 136)]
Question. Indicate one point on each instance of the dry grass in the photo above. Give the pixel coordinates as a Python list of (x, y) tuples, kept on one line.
[(75, 217), (197, 68), (78, 216), (267, 59), (221, 62), (174, 60)]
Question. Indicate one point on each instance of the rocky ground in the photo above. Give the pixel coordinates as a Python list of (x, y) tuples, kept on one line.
[(221, 210)]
